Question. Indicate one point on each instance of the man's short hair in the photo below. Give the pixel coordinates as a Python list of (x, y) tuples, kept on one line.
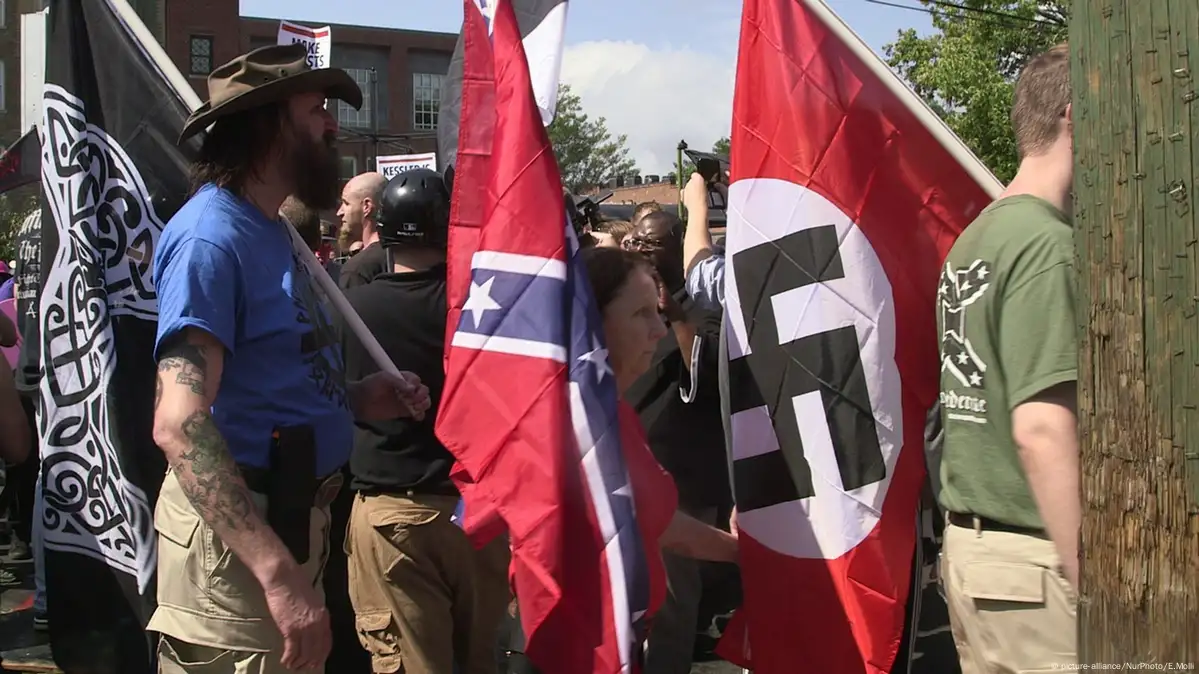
[(1040, 99), (643, 209), (305, 219), (619, 229)]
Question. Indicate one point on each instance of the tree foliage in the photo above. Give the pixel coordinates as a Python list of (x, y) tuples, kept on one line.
[(966, 70), (588, 155), (15, 206)]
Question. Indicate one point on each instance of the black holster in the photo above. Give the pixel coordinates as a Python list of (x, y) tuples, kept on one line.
[(291, 487)]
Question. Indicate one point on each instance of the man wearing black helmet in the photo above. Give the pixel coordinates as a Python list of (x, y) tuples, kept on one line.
[(426, 601)]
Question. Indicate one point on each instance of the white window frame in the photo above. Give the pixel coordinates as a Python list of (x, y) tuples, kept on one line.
[(347, 116), (426, 100), (191, 42)]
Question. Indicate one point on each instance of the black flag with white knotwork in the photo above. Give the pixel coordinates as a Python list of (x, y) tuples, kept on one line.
[(543, 33), (111, 177)]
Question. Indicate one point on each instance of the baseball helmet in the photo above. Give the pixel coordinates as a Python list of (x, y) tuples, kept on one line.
[(415, 209)]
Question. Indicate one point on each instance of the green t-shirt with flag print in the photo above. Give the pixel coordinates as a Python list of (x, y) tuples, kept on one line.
[(1005, 315)]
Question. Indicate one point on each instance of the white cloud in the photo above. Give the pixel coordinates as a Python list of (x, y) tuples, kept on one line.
[(654, 96)]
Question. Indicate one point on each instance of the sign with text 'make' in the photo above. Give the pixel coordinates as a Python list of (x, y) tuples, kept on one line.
[(392, 165), (316, 40)]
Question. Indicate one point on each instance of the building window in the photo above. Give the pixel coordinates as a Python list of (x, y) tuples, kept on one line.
[(3, 85), (3, 14), (201, 55), (426, 100), (347, 116), (349, 167)]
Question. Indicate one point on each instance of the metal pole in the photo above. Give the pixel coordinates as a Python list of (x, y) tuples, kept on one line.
[(680, 181), (375, 113)]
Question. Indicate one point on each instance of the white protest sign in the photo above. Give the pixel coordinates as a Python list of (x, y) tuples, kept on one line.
[(316, 40), (392, 165)]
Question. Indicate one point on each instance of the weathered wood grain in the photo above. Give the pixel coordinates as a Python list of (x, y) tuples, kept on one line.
[(1136, 136)]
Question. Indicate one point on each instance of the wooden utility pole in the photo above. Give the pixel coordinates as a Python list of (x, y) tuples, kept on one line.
[(1135, 76)]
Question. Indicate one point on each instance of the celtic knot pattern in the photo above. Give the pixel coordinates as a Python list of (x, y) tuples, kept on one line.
[(106, 231)]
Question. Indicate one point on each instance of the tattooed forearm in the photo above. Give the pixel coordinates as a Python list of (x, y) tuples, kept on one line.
[(210, 477), (188, 363)]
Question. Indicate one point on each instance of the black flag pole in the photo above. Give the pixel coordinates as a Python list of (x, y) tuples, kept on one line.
[(112, 176)]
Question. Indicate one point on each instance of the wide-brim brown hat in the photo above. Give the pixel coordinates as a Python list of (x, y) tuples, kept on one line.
[(267, 75)]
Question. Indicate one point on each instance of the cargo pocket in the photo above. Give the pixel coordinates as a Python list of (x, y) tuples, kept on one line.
[(1004, 582), (175, 524), (177, 551), (386, 518), (379, 636), (180, 657), (406, 530), (1014, 608)]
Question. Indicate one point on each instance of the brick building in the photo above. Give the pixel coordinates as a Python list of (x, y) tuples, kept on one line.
[(636, 190), (400, 73)]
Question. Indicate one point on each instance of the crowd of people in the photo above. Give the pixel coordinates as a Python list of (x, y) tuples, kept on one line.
[(308, 518)]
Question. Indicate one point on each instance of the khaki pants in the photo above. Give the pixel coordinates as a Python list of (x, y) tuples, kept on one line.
[(211, 611), (1011, 610), (425, 601)]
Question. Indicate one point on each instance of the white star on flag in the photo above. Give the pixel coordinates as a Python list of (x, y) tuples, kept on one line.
[(479, 302), (597, 356)]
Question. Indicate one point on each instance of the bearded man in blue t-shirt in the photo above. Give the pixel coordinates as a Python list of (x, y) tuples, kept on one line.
[(252, 408)]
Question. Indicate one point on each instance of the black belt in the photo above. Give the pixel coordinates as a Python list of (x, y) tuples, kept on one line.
[(409, 493), (986, 524)]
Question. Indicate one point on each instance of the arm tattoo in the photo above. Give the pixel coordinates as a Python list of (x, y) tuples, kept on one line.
[(188, 362), (216, 488)]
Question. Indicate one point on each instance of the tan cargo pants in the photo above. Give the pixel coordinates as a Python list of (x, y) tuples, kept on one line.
[(211, 611), (1010, 608), (425, 601)]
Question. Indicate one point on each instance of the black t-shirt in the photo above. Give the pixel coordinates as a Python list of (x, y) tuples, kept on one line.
[(407, 314), (366, 266), (682, 418)]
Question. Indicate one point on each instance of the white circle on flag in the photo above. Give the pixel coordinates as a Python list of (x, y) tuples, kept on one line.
[(834, 520)]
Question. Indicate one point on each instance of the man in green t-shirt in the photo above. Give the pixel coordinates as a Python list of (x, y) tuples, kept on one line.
[(1009, 472)]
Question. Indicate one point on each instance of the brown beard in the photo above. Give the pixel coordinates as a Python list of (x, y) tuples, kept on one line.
[(314, 166)]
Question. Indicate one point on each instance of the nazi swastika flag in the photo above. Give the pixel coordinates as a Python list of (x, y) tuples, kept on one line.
[(846, 196)]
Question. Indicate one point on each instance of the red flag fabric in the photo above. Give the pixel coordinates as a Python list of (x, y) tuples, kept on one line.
[(468, 209), (844, 202), (530, 405)]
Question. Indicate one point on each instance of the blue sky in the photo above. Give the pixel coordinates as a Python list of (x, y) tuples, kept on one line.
[(657, 70)]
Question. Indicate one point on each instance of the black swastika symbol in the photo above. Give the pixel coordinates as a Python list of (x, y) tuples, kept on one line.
[(774, 374)]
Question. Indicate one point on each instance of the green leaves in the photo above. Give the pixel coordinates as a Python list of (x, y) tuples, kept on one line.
[(966, 70), (14, 208), (588, 155)]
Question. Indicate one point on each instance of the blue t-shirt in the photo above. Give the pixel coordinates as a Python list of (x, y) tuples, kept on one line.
[(225, 268)]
